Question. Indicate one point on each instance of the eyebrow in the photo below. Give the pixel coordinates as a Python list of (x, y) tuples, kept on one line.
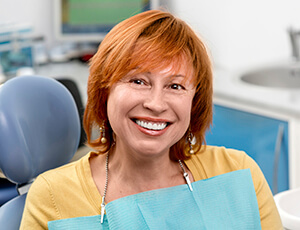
[(171, 76), (177, 75), (184, 77)]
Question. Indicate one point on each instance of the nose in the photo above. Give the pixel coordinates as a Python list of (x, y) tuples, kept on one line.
[(156, 101)]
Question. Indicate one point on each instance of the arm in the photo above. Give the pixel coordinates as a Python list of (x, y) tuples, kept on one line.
[(269, 215), (39, 207)]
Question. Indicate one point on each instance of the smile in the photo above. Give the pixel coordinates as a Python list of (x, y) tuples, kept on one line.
[(151, 125)]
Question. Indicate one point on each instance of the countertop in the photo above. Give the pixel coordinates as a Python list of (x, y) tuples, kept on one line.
[(229, 86)]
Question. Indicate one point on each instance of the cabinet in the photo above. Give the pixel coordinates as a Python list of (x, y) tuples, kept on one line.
[(263, 138)]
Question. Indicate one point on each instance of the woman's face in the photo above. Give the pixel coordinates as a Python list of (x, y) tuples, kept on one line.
[(149, 112)]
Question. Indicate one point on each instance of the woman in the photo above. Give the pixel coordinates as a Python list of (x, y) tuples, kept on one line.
[(150, 95)]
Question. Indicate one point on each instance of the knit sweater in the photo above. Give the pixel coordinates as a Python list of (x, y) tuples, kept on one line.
[(69, 191)]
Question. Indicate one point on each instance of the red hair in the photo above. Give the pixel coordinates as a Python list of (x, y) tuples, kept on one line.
[(149, 40)]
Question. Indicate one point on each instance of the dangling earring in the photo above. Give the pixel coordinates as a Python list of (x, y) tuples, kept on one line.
[(190, 141), (102, 133)]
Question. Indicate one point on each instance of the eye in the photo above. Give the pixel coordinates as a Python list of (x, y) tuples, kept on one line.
[(137, 81), (177, 87)]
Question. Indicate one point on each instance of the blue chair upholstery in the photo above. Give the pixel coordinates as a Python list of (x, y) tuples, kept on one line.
[(8, 190), (39, 130)]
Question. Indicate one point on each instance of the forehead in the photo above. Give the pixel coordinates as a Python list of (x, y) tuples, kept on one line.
[(175, 70), (177, 66)]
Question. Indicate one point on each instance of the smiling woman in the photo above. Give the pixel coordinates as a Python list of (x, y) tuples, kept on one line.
[(150, 97), (143, 44)]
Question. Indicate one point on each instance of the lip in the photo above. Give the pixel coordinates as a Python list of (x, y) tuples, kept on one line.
[(151, 120)]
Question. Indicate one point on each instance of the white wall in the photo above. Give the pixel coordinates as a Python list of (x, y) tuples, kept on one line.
[(37, 13), (239, 33)]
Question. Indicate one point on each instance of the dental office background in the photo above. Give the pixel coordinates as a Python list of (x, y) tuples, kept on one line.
[(239, 33)]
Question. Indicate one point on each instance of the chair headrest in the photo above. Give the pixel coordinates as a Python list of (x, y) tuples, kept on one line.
[(39, 127)]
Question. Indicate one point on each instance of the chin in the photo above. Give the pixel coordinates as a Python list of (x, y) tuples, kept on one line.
[(152, 151)]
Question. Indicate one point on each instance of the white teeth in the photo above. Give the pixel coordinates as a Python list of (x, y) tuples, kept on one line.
[(150, 125)]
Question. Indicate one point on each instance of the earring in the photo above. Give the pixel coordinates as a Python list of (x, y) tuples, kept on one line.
[(190, 141), (102, 132)]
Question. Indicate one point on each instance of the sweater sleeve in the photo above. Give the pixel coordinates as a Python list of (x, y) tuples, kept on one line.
[(269, 215), (40, 206)]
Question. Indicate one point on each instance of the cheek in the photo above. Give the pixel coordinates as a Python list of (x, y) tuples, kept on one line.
[(183, 111), (120, 102), (114, 106), (186, 113), (185, 107)]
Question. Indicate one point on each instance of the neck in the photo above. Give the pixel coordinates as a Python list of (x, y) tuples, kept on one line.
[(144, 172)]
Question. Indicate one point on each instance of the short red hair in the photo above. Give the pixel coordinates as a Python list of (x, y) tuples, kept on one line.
[(151, 40)]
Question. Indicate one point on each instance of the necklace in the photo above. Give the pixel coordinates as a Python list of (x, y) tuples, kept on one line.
[(105, 189), (185, 175)]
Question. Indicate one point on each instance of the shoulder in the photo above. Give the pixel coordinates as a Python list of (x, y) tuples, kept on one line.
[(54, 181), (59, 174), (64, 177), (52, 195), (62, 180), (212, 161), (216, 153)]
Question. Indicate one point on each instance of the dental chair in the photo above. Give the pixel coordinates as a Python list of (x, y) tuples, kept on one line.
[(39, 130)]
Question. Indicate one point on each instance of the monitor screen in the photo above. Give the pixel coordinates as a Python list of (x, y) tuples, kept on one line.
[(91, 20)]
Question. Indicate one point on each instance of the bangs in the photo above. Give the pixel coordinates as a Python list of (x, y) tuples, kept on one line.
[(144, 61), (162, 45), (156, 44)]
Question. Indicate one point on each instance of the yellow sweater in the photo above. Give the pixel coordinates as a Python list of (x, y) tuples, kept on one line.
[(69, 191)]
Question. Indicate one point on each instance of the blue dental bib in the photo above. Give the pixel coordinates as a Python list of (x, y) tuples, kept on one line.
[(227, 201)]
